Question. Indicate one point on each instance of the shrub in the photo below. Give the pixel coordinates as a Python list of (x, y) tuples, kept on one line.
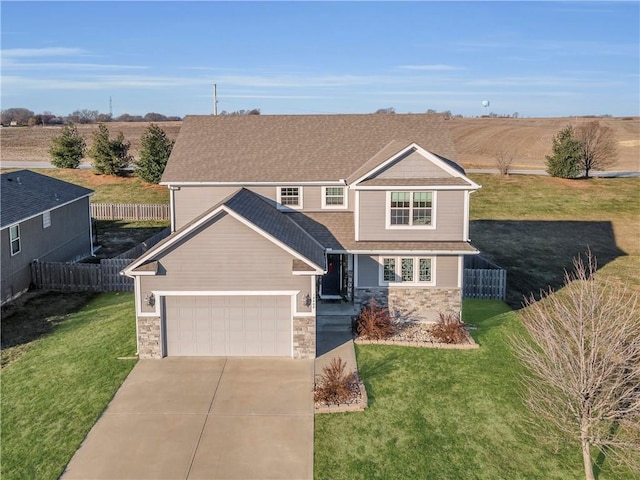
[(336, 385), (374, 322), (449, 329), (67, 149)]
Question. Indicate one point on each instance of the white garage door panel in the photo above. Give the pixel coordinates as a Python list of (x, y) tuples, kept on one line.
[(228, 326)]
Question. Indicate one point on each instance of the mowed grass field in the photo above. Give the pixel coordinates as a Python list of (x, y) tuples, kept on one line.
[(533, 226), (476, 139)]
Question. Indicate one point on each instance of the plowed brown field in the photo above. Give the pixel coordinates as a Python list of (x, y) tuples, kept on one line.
[(476, 139)]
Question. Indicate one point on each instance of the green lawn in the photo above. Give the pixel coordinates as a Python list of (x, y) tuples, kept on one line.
[(442, 414), (533, 226), (54, 390)]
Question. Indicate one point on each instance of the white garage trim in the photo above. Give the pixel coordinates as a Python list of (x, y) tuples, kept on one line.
[(205, 293)]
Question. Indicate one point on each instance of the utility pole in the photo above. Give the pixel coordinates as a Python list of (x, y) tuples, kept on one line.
[(110, 108), (215, 99)]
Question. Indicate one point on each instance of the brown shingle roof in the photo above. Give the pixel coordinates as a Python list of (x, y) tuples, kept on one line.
[(335, 231), (294, 148)]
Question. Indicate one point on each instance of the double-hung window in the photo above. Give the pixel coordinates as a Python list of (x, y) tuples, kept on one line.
[(290, 197), (14, 238), (410, 209), (334, 197), (407, 271)]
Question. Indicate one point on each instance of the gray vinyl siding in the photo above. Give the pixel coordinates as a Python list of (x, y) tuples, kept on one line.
[(68, 238), (367, 271), (226, 255), (446, 270), (413, 165), (192, 201), (449, 213)]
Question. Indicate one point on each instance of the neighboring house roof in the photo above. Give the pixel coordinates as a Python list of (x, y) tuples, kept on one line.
[(296, 148), (25, 194), (335, 231), (249, 207)]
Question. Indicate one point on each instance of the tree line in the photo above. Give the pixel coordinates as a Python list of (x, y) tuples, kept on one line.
[(26, 117), (110, 156)]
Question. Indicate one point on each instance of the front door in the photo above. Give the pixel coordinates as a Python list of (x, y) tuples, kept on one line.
[(331, 281)]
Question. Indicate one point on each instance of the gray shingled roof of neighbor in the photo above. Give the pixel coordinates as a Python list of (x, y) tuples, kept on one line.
[(25, 194), (263, 215), (295, 148), (335, 230)]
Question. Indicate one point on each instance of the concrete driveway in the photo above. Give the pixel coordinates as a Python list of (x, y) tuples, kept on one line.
[(204, 418)]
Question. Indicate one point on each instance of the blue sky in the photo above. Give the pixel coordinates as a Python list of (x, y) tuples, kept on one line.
[(535, 58)]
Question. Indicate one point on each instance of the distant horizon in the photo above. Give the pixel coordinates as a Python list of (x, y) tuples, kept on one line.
[(540, 59)]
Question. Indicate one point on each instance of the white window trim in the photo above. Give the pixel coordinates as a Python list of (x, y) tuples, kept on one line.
[(46, 219), (434, 197), (18, 238), (398, 271), (290, 207), (345, 196)]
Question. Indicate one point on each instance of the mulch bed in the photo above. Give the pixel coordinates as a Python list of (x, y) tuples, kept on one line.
[(357, 402), (415, 334)]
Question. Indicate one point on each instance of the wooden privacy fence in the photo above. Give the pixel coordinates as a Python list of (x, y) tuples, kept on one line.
[(93, 277), (483, 279), (129, 211)]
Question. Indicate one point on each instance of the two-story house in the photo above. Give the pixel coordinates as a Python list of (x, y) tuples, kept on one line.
[(271, 215)]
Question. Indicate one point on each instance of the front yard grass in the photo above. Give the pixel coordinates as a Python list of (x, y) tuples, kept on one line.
[(59, 384), (443, 414)]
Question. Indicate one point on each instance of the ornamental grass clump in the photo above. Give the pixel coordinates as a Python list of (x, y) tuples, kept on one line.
[(449, 329), (374, 322), (336, 386)]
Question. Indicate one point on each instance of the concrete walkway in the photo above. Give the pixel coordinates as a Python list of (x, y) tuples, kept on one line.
[(334, 338), (204, 418)]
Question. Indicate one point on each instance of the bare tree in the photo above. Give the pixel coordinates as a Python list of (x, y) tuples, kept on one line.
[(583, 365), (599, 148), (504, 158)]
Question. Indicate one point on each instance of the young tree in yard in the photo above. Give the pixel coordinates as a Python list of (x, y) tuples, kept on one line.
[(583, 366), (67, 149), (110, 157), (566, 155), (155, 151), (598, 145)]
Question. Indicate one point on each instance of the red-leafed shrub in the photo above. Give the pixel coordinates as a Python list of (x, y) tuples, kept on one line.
[(374, 322), (336, 386), (449, 329)]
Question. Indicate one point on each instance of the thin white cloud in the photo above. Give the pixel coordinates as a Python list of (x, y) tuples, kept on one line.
[(42, 52), (431, 68), (69, 66)]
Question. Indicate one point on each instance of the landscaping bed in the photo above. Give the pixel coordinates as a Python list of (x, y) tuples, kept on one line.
[(416, 334)]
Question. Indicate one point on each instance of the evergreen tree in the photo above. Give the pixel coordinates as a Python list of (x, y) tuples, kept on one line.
[(110, 157), (567, 151), (68, 149), (154, 153)]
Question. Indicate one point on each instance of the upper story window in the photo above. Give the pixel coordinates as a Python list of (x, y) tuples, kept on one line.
[(290, 197), (46, 219), (407, 270), (410, 209), (334, 197), (14, 238)]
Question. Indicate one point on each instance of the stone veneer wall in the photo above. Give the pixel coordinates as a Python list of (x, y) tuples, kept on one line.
[(149, 341), (412, 304), (304, 337)]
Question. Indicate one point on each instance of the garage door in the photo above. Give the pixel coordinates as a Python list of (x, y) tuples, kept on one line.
[(228, 326)]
